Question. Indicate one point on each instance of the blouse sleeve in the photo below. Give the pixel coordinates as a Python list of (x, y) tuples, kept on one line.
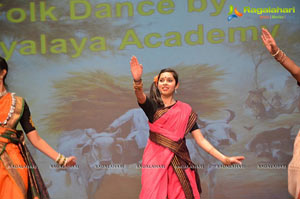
[(195, 127), (26, 120), (149, 108)]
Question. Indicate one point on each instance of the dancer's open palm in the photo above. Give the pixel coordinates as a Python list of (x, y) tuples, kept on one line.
[(235, 160), (268, 41), (136, 69)]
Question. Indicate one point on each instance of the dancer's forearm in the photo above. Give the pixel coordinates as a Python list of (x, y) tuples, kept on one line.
[(44, 147), (288, 64), (203, 143), (41, 145), (139, 93)]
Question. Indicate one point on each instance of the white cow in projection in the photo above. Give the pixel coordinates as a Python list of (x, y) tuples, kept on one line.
[(95, 150)]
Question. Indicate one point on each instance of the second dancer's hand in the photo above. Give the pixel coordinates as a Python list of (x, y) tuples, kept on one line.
[(136, 69), (71, 161), (268, 41)]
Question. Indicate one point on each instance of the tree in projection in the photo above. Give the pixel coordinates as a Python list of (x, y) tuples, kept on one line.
[(288, 40)]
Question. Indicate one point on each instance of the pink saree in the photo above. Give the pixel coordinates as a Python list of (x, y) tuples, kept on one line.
[(159, 178)]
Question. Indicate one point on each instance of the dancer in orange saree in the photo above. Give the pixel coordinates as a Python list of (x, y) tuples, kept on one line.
[(288, 64), (19, 176), (167, 170)]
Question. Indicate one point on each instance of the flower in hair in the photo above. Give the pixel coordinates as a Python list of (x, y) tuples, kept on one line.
[(155, 79)]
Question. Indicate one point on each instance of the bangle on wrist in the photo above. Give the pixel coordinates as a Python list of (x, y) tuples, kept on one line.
[(137, 81), (276, 53), (138, 86), (64, 162), (281, 58), (61, 160), (58, 159), (58, 156)]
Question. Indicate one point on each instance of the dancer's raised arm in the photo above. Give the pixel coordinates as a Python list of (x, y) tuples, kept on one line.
[(287, 63), (137, 71), (279, 55)]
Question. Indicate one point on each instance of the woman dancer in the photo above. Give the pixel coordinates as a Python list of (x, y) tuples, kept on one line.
[(19, 176), (287, 63), (167, 171)]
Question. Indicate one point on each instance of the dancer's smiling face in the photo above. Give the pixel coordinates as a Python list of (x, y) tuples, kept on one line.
[(167, 84)]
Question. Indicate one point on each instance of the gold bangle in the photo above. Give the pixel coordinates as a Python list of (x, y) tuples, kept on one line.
[(137, 86), (137, 80), (276, 53), (58, 159), (61, 160), (64, 162), (282, 58), (137, 83), (279, 55)]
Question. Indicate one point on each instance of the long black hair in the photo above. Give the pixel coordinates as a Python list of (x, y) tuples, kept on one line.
[(3, 66), (154, 92)]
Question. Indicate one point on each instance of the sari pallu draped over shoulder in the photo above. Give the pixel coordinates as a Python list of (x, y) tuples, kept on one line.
[(167, 171), (18, 171)]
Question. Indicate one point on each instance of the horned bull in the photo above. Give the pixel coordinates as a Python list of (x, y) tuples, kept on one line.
[(96, 152), (219, 132)]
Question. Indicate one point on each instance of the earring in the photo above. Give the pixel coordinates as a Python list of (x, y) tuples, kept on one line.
[(175, 91)]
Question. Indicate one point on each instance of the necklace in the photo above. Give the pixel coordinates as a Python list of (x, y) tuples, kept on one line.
[(11, 111), (3, 93)]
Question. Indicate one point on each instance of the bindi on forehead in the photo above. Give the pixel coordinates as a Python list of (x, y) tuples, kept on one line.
[(166, 75)]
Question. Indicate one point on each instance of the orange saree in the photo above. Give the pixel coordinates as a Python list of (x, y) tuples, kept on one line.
[(19, 176), (13, 171)]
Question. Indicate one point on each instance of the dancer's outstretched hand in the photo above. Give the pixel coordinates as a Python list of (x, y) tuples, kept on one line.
[(136, 68), (234, 160), (268, 41), (71, 161)]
